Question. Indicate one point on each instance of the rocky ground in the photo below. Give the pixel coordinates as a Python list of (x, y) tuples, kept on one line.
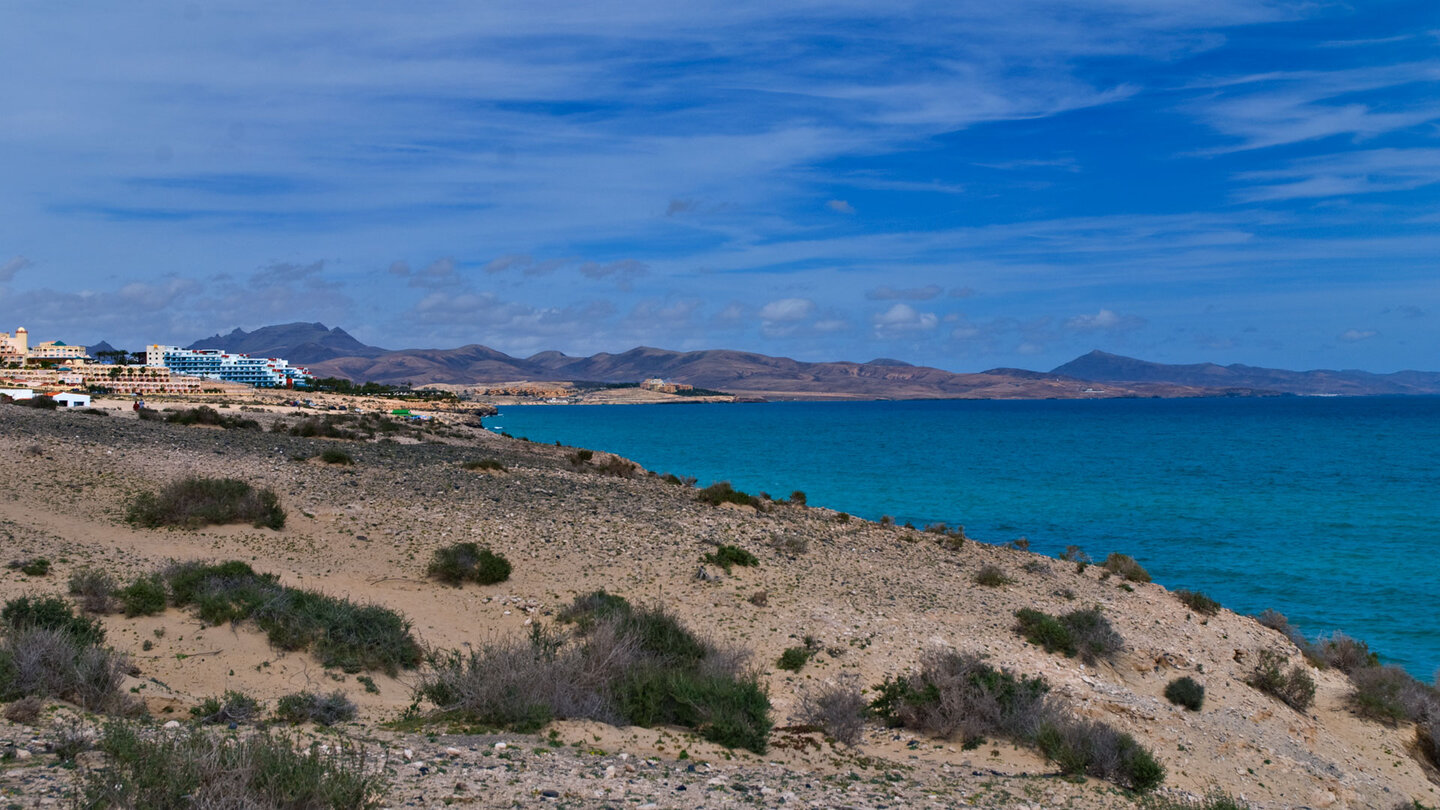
[(875, 598)]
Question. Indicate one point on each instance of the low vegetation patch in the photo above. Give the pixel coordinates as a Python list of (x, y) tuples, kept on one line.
[(1186, 691), (325, 710), (992, 576), (619, 665), (721, 492), (150, 768), (617, 467), (468, 562), (334, 455), (1214, 800), (194, 502), (33, 567), (46, 651), (1390, 695), (206, 415), (959, 695), (1086, 633), (795, 658), (1198, 602), (1124, 566), (339, 632), (232, 707), (1293, 686), (728, 556), (484, 464), (144, 596)]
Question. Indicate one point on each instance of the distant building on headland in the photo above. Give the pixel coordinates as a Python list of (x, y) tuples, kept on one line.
[(261, 372), (657, 384)]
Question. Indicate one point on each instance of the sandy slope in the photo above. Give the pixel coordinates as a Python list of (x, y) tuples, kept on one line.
[(876, 597)]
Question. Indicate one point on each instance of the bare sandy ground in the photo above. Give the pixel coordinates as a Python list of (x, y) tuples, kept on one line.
[(875, 597)]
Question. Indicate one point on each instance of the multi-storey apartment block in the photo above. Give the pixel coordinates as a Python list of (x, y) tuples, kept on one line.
[(261, 372)]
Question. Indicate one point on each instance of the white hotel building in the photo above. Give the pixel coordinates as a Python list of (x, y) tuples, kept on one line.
[(261, 372)]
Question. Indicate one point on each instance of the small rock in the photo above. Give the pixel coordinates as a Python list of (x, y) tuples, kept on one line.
[(500, 746), (408, 754), (550, 794), (172, 724), (23, 753), (454, 752)]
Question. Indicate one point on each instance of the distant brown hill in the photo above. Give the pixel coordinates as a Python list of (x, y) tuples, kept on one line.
[(726, 370), (1103, 367), (333, 352)]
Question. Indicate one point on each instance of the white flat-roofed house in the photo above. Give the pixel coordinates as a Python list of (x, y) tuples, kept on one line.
[(72, 400)]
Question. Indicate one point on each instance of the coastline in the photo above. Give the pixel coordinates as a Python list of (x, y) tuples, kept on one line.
[(876, 597)]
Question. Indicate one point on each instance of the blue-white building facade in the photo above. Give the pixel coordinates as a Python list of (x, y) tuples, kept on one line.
[(214, 364)]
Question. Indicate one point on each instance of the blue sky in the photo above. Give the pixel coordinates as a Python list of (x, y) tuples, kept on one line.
[(960, 184)]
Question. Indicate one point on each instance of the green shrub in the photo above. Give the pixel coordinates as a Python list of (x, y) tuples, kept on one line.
[(595, 606), (727, 556), (1185, 691), (52, 613), (992, 576), (797, 498), (1124, 565), (622, 665), (580, 458), (334, 455), (726, 710), (144, 596), (468, 562), (37, 567), (1293, 687), (484, 464), (1198, 602), (721, 492), (232, 707), (195, 502), (1095, 749), (170, 771), (341, 633), (959, 695), (325, 710), (795, 658), (1086, 633)]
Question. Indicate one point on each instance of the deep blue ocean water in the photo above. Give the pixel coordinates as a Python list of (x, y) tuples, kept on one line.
[(1325, 509)]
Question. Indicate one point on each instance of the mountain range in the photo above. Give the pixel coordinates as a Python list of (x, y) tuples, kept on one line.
[(335, 353)]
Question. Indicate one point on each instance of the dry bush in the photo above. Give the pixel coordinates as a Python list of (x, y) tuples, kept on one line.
[(25, 710), (1344, 653), (1390, 695), (95, 589), (837, 708), (47, 662), (1124, 565)]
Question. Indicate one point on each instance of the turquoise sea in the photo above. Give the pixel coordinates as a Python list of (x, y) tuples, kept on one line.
[(1325, 509)]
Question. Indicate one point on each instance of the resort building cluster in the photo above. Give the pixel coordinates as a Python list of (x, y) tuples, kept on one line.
[(54, 366)]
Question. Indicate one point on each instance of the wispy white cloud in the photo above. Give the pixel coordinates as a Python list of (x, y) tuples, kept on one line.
[(1364, 172)]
